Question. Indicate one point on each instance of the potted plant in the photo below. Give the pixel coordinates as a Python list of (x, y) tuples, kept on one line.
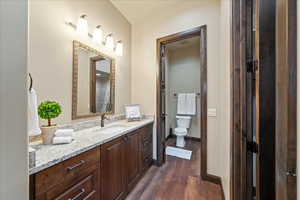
[(49, 110)]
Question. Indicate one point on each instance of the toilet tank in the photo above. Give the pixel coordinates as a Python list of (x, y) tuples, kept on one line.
[(183, 121)]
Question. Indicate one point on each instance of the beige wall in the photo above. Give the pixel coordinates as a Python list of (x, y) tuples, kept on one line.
[(13, 100), (184, 77), (50, 48), (224, 100), (171, 19)]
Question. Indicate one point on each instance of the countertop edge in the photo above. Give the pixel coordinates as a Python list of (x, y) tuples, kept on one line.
[(51, 163)]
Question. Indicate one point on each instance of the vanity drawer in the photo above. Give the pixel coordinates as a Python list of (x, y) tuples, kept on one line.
[(146, 132), (146, 163), (147, 148), (82, 190), (85, 186), (66, 171)]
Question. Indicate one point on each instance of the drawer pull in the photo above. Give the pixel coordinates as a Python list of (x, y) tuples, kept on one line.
[(78, 195), (76, 165)]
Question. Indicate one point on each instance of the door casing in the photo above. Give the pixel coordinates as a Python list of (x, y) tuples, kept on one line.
[(202, 32)]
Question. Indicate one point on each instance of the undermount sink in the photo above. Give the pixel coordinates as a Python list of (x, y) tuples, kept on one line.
[(111, 129)]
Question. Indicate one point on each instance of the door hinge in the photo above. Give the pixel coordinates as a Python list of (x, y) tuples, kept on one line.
[(164, 115), (252, 66), (291, 172), (252, 147)]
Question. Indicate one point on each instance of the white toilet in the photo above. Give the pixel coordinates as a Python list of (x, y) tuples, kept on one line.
[(183, 124)]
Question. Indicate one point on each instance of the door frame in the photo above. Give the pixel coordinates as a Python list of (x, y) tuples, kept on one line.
[(286, 97), (286, 83), (203, 95)]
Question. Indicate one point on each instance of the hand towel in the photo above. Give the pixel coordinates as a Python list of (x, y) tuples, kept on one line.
[(33, 119), (64, 133), (62, 140), (191, 103), (181, 104)]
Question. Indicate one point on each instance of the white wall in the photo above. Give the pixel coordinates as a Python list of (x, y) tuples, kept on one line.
[(50, 48), (184, 77), (13, 100)]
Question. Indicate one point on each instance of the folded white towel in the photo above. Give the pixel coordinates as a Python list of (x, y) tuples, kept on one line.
[(64, 133), (191, 104), (62, 140), (181, 103), (33, 118)]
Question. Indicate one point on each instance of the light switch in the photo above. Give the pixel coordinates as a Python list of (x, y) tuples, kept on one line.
[(211, 112)]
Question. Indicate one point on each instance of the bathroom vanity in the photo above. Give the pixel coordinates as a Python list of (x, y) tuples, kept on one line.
[(101, 163)]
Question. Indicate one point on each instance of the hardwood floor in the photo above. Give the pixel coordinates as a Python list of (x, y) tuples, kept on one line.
[(178, 179)]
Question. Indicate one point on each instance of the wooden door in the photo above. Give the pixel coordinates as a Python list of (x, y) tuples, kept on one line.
[(286, 100), (162, 107), (132, 159), (266, 100), (249, 142), (113, 170)]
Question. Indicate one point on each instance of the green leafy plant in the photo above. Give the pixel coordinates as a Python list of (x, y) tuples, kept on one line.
[(49, 110)]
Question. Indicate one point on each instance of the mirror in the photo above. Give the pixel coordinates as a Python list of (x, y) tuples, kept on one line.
[(93, 82)]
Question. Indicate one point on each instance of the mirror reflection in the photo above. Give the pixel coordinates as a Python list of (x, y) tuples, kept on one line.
[(94, 91)]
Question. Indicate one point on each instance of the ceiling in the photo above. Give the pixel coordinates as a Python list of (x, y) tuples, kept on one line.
[(137, 10)]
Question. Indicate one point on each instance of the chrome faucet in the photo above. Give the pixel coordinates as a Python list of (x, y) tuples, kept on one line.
[(103, 117)]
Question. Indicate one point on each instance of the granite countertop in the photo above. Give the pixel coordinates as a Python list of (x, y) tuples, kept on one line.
[(84, 140)]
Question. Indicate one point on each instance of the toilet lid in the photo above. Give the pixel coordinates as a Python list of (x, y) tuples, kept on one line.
[(181, 131)]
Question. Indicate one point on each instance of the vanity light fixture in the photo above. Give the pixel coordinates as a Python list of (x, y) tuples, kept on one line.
[(119, 48), (82, 26), (109, 41), (98, 34)]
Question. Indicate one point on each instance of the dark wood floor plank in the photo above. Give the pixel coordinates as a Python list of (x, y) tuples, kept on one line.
[(178, 179)]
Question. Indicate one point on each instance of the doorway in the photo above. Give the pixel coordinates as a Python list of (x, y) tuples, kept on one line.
[(161, 95)]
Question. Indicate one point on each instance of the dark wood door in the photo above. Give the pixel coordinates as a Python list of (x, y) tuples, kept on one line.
[(162, 125), (249, 142), (286, 100), (266, 100), (113, 170), (132, 158)]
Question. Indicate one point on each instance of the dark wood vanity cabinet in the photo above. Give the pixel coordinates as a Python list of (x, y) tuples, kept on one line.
[(124, 161), (113, 169), (132, 159), (108, 172)]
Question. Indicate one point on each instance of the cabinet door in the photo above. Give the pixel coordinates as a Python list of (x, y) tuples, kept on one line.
[(132, 159), (113, 170)]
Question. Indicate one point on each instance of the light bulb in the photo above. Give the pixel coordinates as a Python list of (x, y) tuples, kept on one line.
[(119, 48), (98, 34), (109, 42), (82, 26)]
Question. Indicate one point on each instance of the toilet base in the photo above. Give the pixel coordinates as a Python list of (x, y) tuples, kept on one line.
[(180, 141)]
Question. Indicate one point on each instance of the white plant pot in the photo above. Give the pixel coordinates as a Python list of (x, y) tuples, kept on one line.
[(48, 133)]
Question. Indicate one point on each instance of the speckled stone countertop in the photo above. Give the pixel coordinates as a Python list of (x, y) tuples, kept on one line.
[(84, 140)]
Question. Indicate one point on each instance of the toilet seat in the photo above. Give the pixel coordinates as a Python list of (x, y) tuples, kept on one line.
[(180, 131)]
